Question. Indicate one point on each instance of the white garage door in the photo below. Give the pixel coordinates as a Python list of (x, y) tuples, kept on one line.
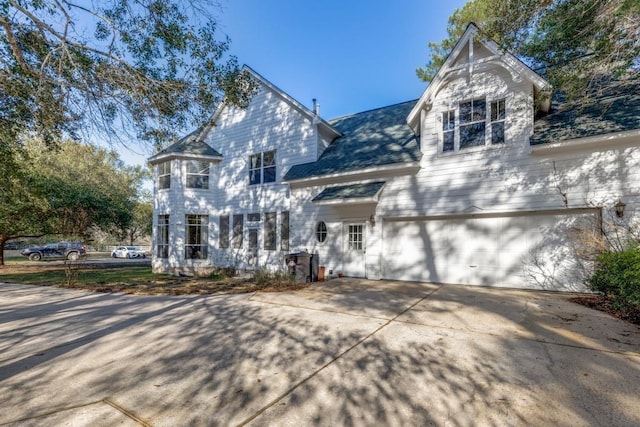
[(525, 251)]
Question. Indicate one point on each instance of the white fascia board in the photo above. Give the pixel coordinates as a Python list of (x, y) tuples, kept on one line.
[(499, 57), (180, 156), (586, 142), (342, 202), (296, 104), (402, 169)]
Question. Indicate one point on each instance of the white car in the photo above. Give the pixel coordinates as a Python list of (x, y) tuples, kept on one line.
[(128, 252)]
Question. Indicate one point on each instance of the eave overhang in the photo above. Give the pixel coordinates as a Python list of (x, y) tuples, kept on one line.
[(354, 194)]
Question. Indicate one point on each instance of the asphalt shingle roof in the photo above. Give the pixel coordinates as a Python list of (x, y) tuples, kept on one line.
[(372, 138), (190, 144), (615, 109), (354, 191)]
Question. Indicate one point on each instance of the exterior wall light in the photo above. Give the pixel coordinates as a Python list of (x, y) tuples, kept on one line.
[(372, 220), (620, 205)]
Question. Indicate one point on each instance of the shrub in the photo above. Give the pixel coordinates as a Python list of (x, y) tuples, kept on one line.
[(617, 275), (275, 279)]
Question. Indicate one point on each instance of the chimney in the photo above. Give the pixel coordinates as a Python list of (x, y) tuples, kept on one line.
[(316, 107)]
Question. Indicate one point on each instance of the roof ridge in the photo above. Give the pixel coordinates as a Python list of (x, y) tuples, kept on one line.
[(370, 110)]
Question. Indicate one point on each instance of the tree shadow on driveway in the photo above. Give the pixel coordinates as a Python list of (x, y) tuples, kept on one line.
[(320, 357)]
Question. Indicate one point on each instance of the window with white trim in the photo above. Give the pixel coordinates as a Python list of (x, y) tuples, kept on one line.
[(473, 118), (196, 242), (162, 236), (473, 123), (197, 174), (448, 130), (223, 222), (321, 231), (355, 237), (498, 116), (238, 231), (164, 175), (270, 231), (284, 231), (262, 167)]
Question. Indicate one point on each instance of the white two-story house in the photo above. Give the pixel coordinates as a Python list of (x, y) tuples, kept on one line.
[(483, 180)]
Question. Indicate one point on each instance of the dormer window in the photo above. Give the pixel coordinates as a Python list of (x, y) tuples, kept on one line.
[(497, 121), (198, 174), (473, 117), (262, 167), (448, 130), (476, 125), (164, 175)]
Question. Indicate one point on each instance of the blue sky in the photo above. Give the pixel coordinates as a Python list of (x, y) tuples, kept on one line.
[(352, 55)]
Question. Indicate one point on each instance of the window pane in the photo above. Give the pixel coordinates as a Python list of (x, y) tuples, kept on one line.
[(321, 231), (162, 237), (253, 217), (255, 161), (497, 132), (472, 135), (270, 231), (284, 232), (238, 229), (269, 158), (270, 174), (224, 231), (355, 237), (196, 246), (497, 110), (164, 182), (447, 143), (465, 112), (450, 122), (254, 177), (479, 110), (197, 181)]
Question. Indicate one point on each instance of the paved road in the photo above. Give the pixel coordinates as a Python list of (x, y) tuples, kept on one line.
[(346, 352)]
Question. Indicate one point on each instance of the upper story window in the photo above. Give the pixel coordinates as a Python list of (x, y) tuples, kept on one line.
[(448, 130), (164, 175), (476, 125), (473, 117), (262, 167), (498, 116), (197, 174)]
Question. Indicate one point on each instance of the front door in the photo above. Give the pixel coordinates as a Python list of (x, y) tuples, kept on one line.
[(354, 250), (252, 252)]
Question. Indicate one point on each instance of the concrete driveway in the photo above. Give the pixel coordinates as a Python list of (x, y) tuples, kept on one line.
[(344, 352)]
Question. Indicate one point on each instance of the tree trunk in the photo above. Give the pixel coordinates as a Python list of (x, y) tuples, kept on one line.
[(2, 241)]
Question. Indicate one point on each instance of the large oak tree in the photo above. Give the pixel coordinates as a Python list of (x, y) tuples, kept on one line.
[(53, 192), (142, 68)]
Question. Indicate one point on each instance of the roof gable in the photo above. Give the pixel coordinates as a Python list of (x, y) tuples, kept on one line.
[(473, 53), (311, 115), (191, 146)]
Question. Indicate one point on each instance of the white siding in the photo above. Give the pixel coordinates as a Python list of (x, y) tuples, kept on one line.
[(268, 123)]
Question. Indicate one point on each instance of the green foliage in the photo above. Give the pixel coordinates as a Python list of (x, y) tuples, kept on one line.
[(65, 191), (114, 67), (618, 276), (575, 44)]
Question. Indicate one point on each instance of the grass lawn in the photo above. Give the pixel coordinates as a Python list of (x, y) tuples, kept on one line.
[(137, 279)]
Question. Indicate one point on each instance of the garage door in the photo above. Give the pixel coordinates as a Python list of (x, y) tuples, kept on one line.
[(524, 251)]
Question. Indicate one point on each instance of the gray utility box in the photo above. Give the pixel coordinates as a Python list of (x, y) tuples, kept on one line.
[(303, 265)]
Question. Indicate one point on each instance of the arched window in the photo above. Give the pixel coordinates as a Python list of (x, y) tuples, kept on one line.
[(321, 231)]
